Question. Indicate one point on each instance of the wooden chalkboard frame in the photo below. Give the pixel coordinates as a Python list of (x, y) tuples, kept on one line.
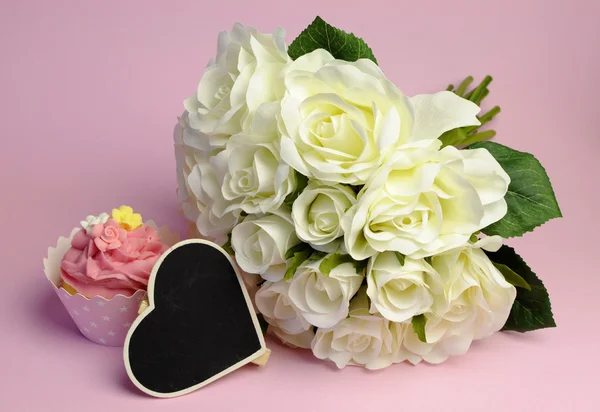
[(151, 306)]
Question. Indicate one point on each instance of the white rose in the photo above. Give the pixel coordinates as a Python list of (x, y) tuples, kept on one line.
[(317, 213), (256, 180), (200, 199), (475, 303), (340, 120), (400, 331), (361, 339), (260, 244), (286, 322), (207, 205), (401, 291), (323, 300), (245, 73), (423, 202)]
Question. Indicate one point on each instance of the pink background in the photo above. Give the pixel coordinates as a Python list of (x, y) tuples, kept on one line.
[(90, 92)]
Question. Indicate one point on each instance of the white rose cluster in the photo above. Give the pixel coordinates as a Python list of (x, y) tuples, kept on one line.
[(332, 189)]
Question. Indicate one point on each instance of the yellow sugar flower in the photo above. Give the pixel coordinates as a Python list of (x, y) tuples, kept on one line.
[(126, 218)]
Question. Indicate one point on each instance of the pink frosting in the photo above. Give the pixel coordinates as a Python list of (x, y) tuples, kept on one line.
[(108, 236), (111, 261)]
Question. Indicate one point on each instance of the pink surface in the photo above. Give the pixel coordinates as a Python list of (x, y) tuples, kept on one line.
[(90, 94)]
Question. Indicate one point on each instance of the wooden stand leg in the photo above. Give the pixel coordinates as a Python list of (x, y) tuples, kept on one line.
[(262, 360), (143, 305)]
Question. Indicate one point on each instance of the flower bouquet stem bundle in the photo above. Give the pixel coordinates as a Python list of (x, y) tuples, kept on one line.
[(372, 221)]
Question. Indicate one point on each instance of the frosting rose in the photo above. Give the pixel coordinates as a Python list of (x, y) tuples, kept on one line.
[(108, 236), (111, 270)]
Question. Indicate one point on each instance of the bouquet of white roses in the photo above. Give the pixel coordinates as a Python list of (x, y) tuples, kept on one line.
[(372, 221)]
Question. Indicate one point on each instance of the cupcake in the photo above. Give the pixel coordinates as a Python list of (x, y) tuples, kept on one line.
[(101, 271)]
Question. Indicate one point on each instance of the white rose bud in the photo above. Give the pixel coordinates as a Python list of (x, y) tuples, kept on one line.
[(476, 303), (260, 244), (323, 300), (197, 184), (424, 202), (286, 322), (256, 180), (245, 73), (398, 290), (206, 204), (361, 339), (317, 213)]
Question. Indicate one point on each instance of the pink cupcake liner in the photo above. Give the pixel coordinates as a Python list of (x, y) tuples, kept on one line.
[(103, 321)]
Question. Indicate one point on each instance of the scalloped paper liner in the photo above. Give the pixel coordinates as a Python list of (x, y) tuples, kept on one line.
[(102, 321)]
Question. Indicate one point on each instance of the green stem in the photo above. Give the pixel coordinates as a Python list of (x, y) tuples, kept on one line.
[(479, 90), (450, 87), (462, 87), (483, 95), (489, 115), (488, 134)]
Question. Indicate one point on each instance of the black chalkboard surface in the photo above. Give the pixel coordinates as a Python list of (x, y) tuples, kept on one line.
[(199, 325)]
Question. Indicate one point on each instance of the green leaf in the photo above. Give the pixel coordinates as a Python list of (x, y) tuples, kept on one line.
[(418, 325), (295, 249), (532, 309), (341, 45), (511, 277), (470, 134), (400, 258), (316, 255), (332, 261), (360, 265), (453, 137), (227, 246), (301, 183), (297, 259), (530, 198)]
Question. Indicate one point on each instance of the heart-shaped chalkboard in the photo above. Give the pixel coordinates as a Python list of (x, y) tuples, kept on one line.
[(199, 324)]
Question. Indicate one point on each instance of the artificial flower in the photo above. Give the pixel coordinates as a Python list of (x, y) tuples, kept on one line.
[(244, 74), (255, 179), (340, 120), (400, 288), (260, 244), (424, 202), (317, 213), (323, 300), (273, 302), (360, 339), (475, 303)]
